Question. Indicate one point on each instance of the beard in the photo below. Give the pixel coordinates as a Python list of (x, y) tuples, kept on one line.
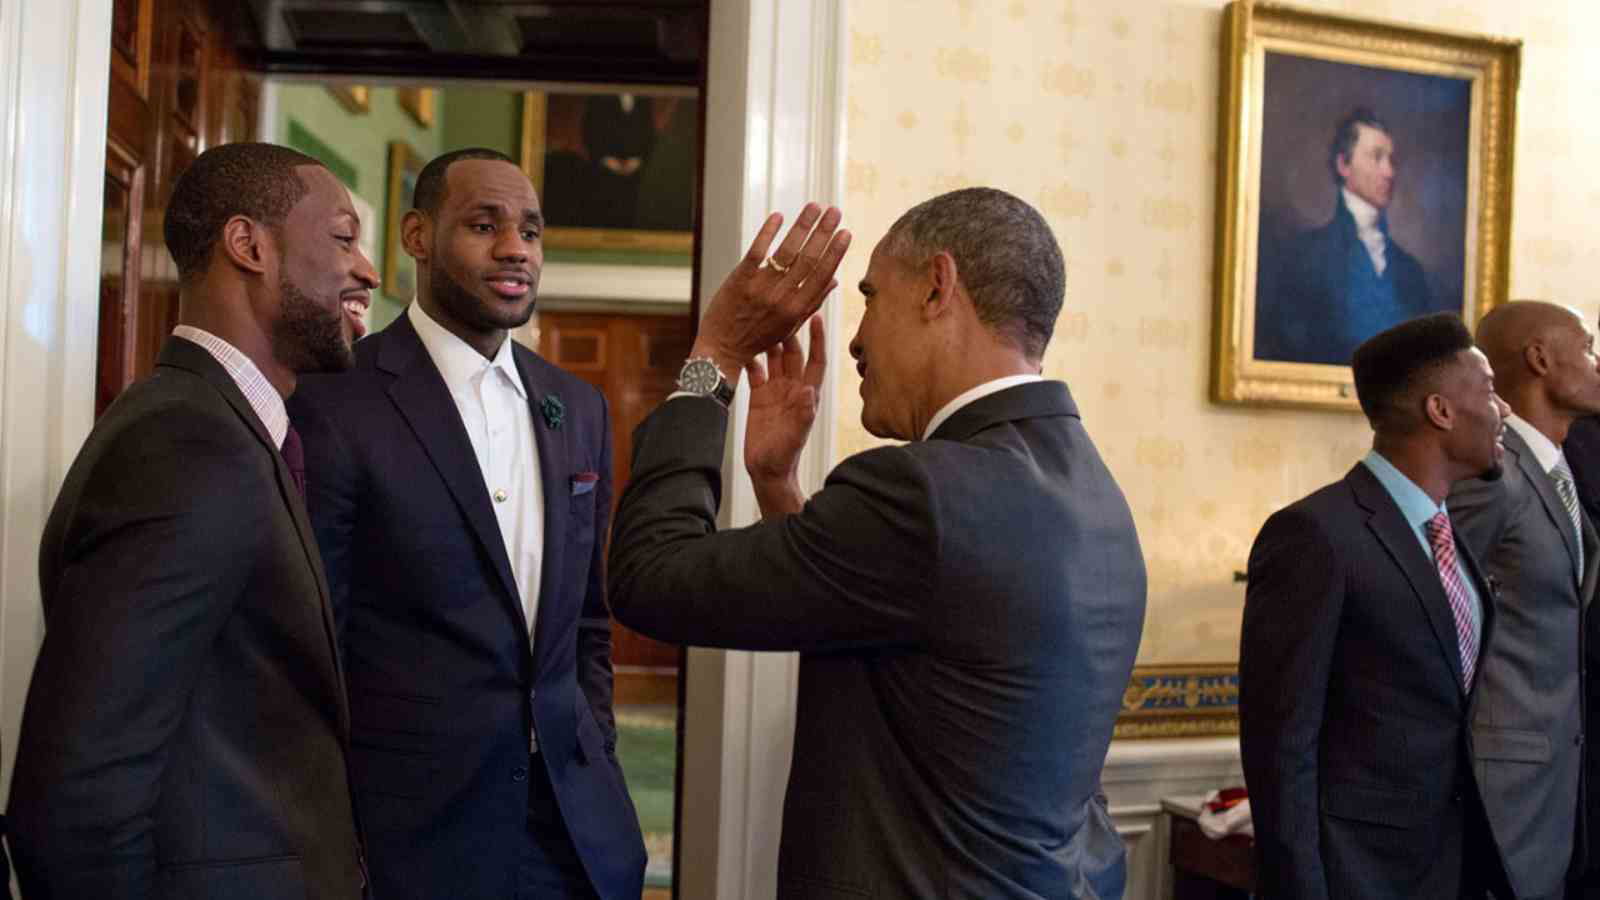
[(308, 337), (472, 311)]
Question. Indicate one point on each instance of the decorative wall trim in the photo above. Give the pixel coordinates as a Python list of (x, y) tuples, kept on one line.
[(1184, 700)]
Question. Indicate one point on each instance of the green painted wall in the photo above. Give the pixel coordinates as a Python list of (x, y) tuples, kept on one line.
[(483, 117), (362, 141)]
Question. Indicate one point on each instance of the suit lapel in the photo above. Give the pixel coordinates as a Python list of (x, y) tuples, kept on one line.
[(554, 470), (1396, 536), (1546, 489), (420, 394), (184, 354)]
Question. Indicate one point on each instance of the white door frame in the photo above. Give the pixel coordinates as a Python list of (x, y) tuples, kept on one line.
[(775, 116), (54, 74)]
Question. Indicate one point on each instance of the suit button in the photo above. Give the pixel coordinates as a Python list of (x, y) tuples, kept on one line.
[(1455, 799), (519, 774), (1579, 739)]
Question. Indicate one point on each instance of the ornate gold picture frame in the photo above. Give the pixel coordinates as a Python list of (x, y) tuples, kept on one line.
[(399, 271), (615, 172), (1364, 178)]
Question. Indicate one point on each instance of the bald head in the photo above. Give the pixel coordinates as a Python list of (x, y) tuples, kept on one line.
[(1544, 363), (1517, 336)]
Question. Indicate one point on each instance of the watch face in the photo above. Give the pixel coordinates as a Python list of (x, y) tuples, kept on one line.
[(699, 376)]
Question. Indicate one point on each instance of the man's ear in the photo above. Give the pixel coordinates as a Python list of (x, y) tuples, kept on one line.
[(248, 244), (1536, 358), (415, 235), (943, 279), (1436, 409)]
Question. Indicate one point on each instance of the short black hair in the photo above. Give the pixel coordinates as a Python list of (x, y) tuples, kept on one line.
[(431, 182), (1348, 134), (254, 180), (1392, 366), (1006, 257)]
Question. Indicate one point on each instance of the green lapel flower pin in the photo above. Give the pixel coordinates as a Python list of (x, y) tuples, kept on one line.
[(553, 410)]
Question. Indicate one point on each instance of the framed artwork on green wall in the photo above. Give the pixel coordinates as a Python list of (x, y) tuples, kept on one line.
[(615, 171), (399, 272)]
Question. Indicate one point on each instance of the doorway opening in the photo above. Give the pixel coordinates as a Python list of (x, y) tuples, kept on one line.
[(601, 105)]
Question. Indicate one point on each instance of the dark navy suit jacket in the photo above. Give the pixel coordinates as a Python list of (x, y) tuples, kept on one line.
[(967, 609), (1582, 450), (1353, 722), (443, 687), (1320, 296)]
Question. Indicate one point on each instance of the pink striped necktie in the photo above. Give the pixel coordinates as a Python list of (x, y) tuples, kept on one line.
[(1442, 537)]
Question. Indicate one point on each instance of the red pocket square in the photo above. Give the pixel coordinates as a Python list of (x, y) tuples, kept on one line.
[(584, 482)]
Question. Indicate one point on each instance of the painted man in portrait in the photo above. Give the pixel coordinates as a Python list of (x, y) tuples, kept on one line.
[(1332, 287)]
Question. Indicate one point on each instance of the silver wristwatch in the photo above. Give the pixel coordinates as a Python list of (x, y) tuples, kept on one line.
[(702, 377)]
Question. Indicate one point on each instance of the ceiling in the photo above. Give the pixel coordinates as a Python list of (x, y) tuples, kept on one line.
[(643, 42)]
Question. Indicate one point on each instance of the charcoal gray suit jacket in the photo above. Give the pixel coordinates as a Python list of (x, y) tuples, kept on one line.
[(967, 609), (186, 726), (1527, 726)]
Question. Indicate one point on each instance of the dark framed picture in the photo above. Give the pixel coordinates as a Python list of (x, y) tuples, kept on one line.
[(1365, 180), (399, 272), (615, 172)]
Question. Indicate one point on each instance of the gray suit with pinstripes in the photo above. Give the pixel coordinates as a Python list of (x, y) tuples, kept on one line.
[(1527, 726)]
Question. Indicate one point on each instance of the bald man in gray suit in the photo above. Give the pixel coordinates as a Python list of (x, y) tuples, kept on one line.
[(1534, 540)]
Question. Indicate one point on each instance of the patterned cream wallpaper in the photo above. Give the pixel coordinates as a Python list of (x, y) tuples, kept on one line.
[(1104, 116)]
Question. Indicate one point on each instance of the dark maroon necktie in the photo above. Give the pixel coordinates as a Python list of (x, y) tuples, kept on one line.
[(294, 456)]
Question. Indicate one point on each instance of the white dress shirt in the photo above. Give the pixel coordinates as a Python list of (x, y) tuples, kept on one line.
[(972, 394), (257, 390), (1544, 449), (1372, 237), (493, 403)]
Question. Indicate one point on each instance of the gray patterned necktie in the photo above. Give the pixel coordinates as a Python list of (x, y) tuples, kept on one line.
[(1562, 476)]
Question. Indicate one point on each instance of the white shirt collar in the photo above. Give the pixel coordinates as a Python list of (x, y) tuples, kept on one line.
[(1371, 236), (1544, 449), (458, 363), (263, 398), (1365, 214), (973, 394)]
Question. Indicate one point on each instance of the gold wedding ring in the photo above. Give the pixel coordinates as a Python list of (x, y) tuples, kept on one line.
[(778, 267)]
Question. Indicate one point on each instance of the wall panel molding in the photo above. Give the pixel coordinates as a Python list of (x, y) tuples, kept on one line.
[(1138, 774)]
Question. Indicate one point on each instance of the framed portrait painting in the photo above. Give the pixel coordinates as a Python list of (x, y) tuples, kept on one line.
[(616, 174), (399, 272), (1365, 180)]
